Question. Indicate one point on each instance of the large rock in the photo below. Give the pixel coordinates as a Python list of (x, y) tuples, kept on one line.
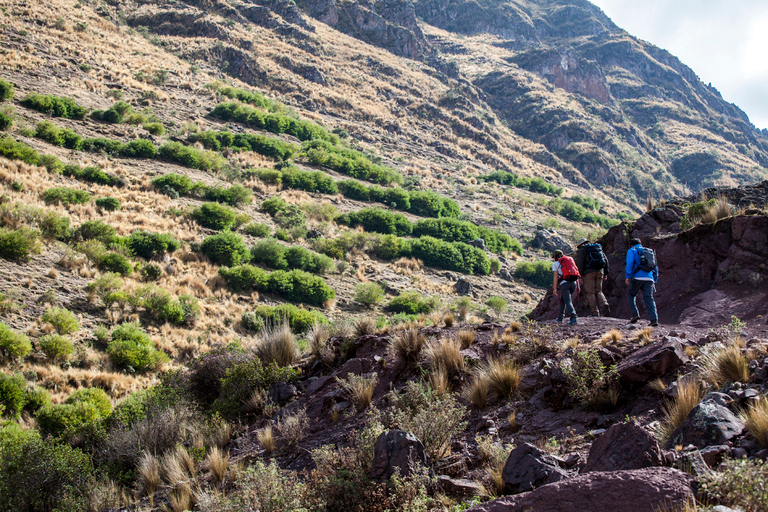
[(624, 446), (479, 243), (638, 490), (653, 360), (528, 467), (550, 241), (710, 423), (396, 449), (460, 486), (463, 286)]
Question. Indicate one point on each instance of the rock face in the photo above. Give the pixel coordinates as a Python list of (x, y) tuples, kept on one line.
[(624, 446), (527, 467), (653, 360), (463, 286), (710, 423), (639, 490), (550, 241), (397, 449)]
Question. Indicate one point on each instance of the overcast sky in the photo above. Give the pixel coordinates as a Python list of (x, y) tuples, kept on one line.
[(723, 41)]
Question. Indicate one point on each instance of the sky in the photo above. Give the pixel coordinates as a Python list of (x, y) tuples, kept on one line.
[(723, 41)]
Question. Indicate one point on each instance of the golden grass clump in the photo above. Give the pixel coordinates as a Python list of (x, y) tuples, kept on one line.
[(266, 439), (503, 376), (644, 336), (363, 326), (276, 343), (445, 353), (466, 337), (406, 346), (514, 326), (149, 475), (756, 420), (218, 462), (477, 391), (612, 336), (448, 319), (358, 388), (439, 380), (689, 394)]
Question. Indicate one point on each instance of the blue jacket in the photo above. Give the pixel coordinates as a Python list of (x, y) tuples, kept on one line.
[(632, 270)]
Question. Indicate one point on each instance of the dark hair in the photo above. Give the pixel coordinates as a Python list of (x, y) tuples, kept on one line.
[(634, 242), (557, 254)]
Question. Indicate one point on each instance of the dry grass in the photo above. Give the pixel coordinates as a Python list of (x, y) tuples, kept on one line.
[(218, 462), (728, 364), (405, 347), (439, 380), (477, 391), (293, 427), (657, 385), (364, 326), (643, 337), (266, 439), (611, 337), (276, 343), (448, 319), (445, 353), (149, 475), (466, 338), (503, 376), (513, 326), (756, 420), (463, 313), (689, 394), (358, 389)]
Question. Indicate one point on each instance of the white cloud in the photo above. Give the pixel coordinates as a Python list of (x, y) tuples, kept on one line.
[(723, 41)]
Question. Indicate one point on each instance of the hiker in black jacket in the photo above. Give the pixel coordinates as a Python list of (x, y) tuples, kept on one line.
[(593, 267)]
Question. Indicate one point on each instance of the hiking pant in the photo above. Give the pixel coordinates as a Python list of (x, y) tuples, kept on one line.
[(646, 287), (593, 287), (566, 303)]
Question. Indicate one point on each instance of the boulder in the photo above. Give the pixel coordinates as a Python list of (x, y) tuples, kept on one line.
[(624, 446), (314, 233), (637, 490), (397, 449), (528, 467), (710, 423), (550, 241), (281, 392), (463, 286), (653, 360), (460, 486), (479, 243)]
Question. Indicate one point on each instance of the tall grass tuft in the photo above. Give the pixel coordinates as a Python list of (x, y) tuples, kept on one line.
[(689, 394)]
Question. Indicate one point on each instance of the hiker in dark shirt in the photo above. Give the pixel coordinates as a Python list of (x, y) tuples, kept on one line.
[(638, 279), (593, 267)]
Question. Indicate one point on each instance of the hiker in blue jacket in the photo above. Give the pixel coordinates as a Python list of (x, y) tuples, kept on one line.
[(638, 280)]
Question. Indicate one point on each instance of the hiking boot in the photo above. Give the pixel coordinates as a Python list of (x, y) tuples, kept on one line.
[(655, 323), (559, 319), (634, 319), (607, 310), (573, 321)]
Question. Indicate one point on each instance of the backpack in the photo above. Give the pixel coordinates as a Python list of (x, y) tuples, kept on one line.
[(569, 268), (595, 257), (647, 259)]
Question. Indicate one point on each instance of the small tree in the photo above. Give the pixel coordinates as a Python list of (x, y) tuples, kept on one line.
[(497, 304)]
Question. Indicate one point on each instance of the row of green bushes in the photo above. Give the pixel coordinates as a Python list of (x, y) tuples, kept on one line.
[(576, 212), (92, 174), (533, 184), (299, 319), (275, 255), (176, 185), (271, 122), (65, 137), (254, 98), (122, 112), (349, 162), (192, 157), (55, 106), (294, 285), (267, 146), (13, 150)]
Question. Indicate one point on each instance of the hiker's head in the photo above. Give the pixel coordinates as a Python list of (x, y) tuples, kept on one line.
[(557, 254), (582, 241), (634, 242)]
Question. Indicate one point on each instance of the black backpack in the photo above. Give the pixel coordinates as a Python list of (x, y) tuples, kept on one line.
[(595, 257), (647, 259)]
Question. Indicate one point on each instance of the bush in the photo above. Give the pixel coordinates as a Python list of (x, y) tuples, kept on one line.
[(17, 244), (155, 128), (369, 294), (6, 90), (739, 483), (235, 195), (115, 262), (269, 252), (532, 184), (178, 182), (93, 175), (379, 221), (256, 229), (226, 249), (54, 105), (412, 303), (52, 225), (36, 399), (148, 245), (497, 304), (451, 256), (590, 383), (63, 320), (45, 475), (109, 204), (267, 146), (132, 348), (245, 278), (538, 272), (56, 347), (390, 247), (151, 271), (6, 120), (94, 396), (215, 216), (12, 394), (311, 181), (13, 150), (300, 286), (95, 230), (66, 196), (349, 162), (139, 148), (273, 122), (160, 305), (300, 320), (13, 344), (191, 157), (242, 379)]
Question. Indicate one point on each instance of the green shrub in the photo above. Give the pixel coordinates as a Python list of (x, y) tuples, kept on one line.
[(349, 162), (191, 157), (36, 399), (215, 216), (13, 150), (6, 90), (590, 382), (245, 278), (454, 230), (160, 305), (93, 175), (226, 249), (497, 304), (270, 253), (95, 230), (235, 195), (66, 196), (151, 271), (533, 184), (256, 229), (378, 220), (52, 225), (300, 320), (267, 146), (12, 394), (58, 419), (178, 182), (412, 303), (242, 379), (300, 286), (156, 129), (132, 348), (6, 119), (102, 145), (43, 474), (139, 148), (149, 245), (107, 287), (538, 272), (311, 181), (115, 262), (272, 122), (94, 396), (390, 247), (54, 105), (13, 344), (738, 483), (17, 244), (369, 294), (109, 204), (451, 256), (353, 189), (56, 347), (63, 320)]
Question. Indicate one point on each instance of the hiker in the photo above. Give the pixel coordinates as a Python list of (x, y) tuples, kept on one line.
[(641, 274), (593, 267), (565, 283)]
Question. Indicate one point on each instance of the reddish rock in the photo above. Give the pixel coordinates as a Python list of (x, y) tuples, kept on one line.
[(624, 446), (528, 467), (460, 486), (710, 423), (397, 449), (653, 360), (637, 490)]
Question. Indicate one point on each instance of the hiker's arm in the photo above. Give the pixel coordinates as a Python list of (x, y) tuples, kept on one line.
[(554, 283), (580, 257), (630, 266)]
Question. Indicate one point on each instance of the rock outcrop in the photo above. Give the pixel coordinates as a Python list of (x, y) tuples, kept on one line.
[(624, 446)]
